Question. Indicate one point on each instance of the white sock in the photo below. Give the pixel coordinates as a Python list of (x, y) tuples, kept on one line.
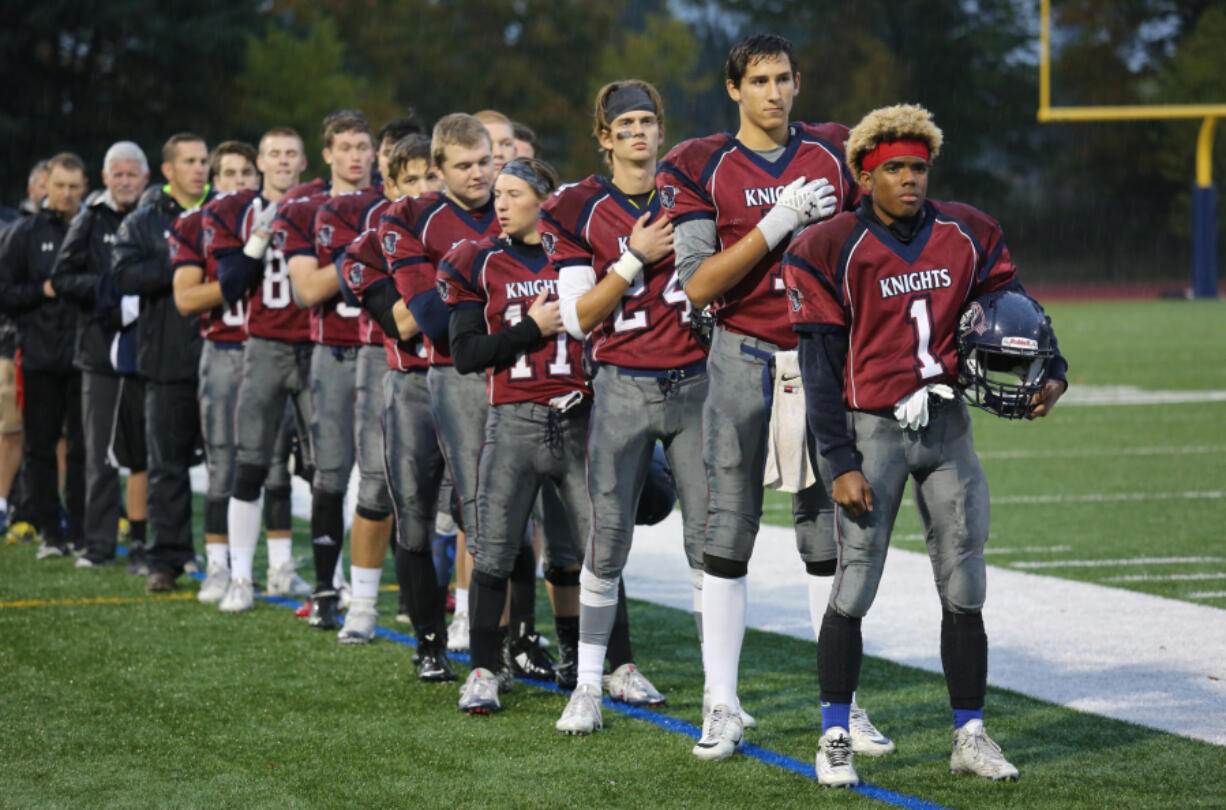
[(4, 504), (461, 600), (338, 574), (591, 663), (280, 551), (696, 576), (365, 581), (218, 554), (244, 523), (723, 630), (819, 596)]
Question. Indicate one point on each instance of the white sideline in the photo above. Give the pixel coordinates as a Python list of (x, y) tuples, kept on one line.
[(1144, 659)]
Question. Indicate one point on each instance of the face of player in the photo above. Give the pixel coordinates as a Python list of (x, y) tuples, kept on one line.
[(188, 171), (898, 187), (235, 173), (65, 188), (503, 144), (517, 205), (386, 147), (633, 137), (467, 173), (415, 180), (281, 160), (524, 149), (766, 92), (125, 179), (37, 189), (351, 157)]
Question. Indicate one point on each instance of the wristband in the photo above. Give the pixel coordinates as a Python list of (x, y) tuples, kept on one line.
[(256, 245), (628, 266)]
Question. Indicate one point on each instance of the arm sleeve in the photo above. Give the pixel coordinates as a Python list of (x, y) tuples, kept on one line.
[(694, 241), (823, 354), (430, 313), (71, 277), (139, 270), (378, 300), (573, 282), (473, 349), (237, 273), (17, 293)]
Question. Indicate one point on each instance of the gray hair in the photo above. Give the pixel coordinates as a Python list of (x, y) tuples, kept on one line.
[(125, 150), (41, 167)]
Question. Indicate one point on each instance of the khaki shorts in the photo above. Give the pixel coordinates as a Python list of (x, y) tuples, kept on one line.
[(10, 414)]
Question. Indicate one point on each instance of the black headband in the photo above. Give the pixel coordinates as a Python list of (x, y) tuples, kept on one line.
[(630, 98), (522, 170)]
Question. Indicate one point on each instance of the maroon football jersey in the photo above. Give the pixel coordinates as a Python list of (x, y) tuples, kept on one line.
[(416, 232), (190, 241), (900, 301), (505, 278), (589, 224), (338, 221), (362, 269), (718, 178)]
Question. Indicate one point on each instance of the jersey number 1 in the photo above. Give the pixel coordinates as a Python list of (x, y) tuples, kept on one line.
[(921, 324)]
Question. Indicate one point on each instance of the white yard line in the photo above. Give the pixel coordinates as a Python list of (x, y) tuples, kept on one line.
[(1185, 450), (1132, 395), (1107, 497), (1207, 595), (1165, 577), (1031, 564)]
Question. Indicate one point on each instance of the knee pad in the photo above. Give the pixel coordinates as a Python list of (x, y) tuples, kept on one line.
[(277, 517), (374, 515), (248, 481), (216, 520), (601, 592), (562, 577), (373, 495), (822, 568), (724, 568)]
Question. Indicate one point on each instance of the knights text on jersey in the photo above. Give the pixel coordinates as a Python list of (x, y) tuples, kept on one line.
[(338, 221), (720, 179), (588, 224), (899, 301), (415, 234), (504, 281), (361, 270)]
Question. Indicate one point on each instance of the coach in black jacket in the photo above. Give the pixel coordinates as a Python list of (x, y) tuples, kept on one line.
[(85, 261), (168, 355), (45, 336)]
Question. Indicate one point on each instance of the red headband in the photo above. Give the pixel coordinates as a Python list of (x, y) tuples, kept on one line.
[(884, 151)]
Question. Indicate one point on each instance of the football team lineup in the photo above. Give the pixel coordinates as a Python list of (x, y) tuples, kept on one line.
[(756, 440)]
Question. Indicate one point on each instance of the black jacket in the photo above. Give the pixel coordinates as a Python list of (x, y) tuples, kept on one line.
[(45, 326), (85, 258), (169, 343)]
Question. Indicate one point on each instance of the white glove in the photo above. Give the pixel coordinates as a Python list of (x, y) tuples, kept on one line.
[(261, 227), (798, 204), (912, 410)]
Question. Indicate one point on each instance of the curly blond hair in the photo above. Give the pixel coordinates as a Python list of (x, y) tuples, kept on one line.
[(888, 124)]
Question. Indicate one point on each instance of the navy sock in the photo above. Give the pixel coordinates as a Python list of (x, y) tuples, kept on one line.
[(835, 714), (964, 716)]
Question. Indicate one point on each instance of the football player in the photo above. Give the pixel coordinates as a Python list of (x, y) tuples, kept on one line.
[(735, 201), (317, 231), (502, 321), (502, 136), (876, 295), (613, 250)]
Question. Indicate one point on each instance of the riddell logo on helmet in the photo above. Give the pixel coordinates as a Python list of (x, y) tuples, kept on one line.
[(1020, 344)]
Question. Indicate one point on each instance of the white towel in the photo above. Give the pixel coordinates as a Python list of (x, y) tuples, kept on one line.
[(788, 467)]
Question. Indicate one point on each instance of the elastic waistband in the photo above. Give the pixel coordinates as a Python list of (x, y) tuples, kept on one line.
[(748, 342), (228, 345), (671, 374)]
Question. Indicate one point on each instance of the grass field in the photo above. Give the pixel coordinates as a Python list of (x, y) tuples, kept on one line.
[(116, 699)]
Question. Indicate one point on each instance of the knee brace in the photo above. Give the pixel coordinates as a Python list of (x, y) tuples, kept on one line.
[(277, 517), (822, 568), (724, 568), (562, 577), (248, 481), (375, 515), (216, 515)]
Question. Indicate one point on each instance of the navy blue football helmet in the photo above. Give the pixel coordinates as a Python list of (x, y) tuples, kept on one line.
[(1004, 343)]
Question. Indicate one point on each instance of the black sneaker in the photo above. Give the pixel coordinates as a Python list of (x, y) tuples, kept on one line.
[(432, 663), (138, 563), (325, 610), (528, 659)]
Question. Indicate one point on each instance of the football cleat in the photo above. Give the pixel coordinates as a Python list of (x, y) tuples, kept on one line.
[(138, 563), (47, 550), (360, 622), (566, 670), (582, 712), (346, 594), (216, 581), (747, 720), (865, 738), (21, 532), (88, 562), (528, 659), (457, 633), (240, 597), (432, 663), (324, 611), (722, 734), (834, 759), (479, 694), (284, 581), (975, 752), (630, 686)]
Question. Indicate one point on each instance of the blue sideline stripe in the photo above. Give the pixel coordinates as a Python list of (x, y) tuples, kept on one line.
[(664, 721)]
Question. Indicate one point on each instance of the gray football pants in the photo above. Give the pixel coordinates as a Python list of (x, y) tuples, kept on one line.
[(373, 495), (629, 414), (527, 448), (735, 421), (951, 493), (272, 371), (333, 377), (414, 461), (459, 404)]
